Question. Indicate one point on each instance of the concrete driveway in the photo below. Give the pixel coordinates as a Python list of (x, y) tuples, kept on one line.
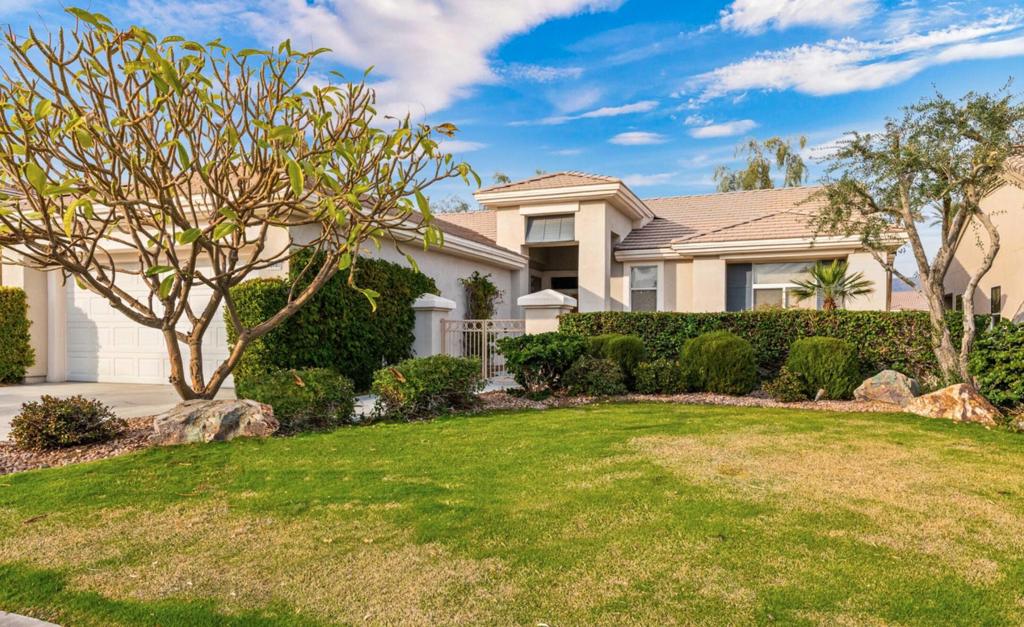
[(127, 399)]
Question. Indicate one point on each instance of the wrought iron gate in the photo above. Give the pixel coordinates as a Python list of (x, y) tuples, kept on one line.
[(479, 338)]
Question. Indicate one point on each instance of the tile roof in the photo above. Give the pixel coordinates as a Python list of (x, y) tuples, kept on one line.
[(472, 225), (908, 300), (551, 181), (1016, 166), (730, 216)]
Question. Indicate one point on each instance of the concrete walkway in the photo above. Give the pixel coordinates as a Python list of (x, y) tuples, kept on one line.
[(128, 400), (14, 620)]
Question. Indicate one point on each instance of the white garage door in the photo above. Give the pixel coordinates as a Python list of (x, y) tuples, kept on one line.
[(106, 346)]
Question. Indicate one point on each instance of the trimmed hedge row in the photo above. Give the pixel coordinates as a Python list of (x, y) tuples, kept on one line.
[(337, 328), (898, 339), (16, 354)]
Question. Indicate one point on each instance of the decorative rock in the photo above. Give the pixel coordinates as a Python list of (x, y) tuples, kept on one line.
[(207, 421), (959, 403), (821, 395), (888, 386)]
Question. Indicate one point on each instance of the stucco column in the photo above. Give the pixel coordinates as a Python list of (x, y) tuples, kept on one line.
[(56, 329), (541, 310), (33, 282), (873, 271), (430, 311), (709, 284), (595, 257)]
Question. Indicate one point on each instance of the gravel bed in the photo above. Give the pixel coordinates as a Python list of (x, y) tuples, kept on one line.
[(13, 459)]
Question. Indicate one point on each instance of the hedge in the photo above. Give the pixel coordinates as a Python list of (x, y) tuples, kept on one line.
[(900, 340), (16, 354), (337, 328)]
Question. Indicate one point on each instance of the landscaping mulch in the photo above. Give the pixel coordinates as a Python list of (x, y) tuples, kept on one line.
[(135, 437)]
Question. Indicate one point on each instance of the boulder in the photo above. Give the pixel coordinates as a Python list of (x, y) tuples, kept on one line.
[(888, 386), (207, 421), (959, 403)]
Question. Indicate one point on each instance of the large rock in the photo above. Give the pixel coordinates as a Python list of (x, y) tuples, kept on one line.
[(888, 386), (206, 421), (959, 403)]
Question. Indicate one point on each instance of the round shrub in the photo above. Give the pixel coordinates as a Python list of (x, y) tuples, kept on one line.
[(596, 344), (594, 376), (787, 387), (997, 363), (55, 422), (627, 351), (660, 376), (719, 362), (537, 362), (826, 363), (426, 386), (305, 399)]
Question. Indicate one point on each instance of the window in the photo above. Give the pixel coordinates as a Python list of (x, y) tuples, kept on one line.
[(947, 301), (959, 305), (542, 229), (772, 285), (996, 306), (643, 288)]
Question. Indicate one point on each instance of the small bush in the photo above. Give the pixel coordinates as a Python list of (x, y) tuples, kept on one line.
[(997, 363), (826, 364), (787, 387), (595, 376), (426, 386), (16, 355), (719, 362), (307, 399), (661, 376), (597, 344), (627, 351), (537, 362), (61, 422)]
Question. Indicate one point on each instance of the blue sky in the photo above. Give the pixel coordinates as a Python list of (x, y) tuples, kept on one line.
[(656, 92)]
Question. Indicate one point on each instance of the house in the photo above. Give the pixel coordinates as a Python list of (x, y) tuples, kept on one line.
[(586, 236), (1001, 291), (592, 238)]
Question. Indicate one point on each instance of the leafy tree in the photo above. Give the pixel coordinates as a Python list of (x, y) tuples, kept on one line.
[(933, 165), (482, 296), (758, 173), (834, 282), (450, 204), (196, 166), (500, 178)]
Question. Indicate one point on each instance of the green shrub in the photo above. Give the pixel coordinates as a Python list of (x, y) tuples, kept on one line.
[(597, 344), (595, 376), (826, 363), (899, 340), (337, 328), (307, 399), (997, 363), (787, 387), (660, 376), (61, 422), (426, 386), (625, 350), (719, 362), (537, 362), (16, 354)]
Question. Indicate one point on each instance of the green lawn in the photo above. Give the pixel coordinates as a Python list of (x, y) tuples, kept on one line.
[(609, 514)]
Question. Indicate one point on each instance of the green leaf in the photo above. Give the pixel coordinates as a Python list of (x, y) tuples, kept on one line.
[(83, 15), (296, 177), (155, 270), (83, 137), (36, 176), (423, 204), (69, 218), (189, 236), (345, 262), (43, 109), (183, 155), (412, 262), (282, 133), (166, 285), (371, 296), (223, 229), (228, 213)]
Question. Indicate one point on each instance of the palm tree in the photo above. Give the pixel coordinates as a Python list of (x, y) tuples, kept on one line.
[(833, 283)]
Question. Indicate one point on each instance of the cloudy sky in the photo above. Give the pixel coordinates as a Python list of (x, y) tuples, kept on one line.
[(656, 92)]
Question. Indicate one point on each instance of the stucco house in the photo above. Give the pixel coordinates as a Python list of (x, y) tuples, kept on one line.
[(588, 238), (1001, 291)]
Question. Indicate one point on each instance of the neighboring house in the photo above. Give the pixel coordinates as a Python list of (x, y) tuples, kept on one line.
[(908, 300), (1001, 291), (592, 238)]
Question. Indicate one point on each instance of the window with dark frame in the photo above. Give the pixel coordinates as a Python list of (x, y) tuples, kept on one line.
[(643, 288), (545, 229), (996, 303)]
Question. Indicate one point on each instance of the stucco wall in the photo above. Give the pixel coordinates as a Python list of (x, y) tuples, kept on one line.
[(684, 284), (873, 271), (708, 281), (1006, 206)]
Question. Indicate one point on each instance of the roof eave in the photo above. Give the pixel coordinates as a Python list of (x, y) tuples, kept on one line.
[(616, 192)]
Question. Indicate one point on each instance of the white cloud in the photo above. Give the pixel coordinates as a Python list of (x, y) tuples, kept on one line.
[(846, 65), (646, 180), (455, 146), (569, 100), (539, 73), (642, 106), (638, 138), (426, 54), (723, 129), (755, 16), (567, 152)]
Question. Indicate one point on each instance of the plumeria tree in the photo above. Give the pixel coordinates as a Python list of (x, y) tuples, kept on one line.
[(931, 166), (187, 167)]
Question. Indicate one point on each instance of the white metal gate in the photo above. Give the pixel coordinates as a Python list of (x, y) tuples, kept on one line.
[(479, 338)]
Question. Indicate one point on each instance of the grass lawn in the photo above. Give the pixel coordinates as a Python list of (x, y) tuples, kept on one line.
[(610, 514)]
